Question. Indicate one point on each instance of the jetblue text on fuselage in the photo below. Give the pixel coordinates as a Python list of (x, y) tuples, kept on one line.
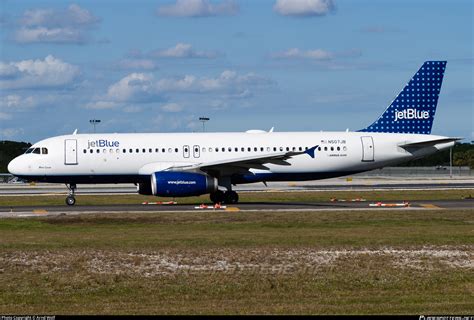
[(409, 114), (102, 143)]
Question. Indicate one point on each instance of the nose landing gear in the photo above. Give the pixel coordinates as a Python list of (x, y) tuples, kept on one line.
[(230, 197), (70, 200)]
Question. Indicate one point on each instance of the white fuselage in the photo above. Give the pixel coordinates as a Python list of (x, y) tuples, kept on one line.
[(99, 158)]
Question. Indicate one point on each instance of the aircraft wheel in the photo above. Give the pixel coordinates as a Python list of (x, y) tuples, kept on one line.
[(70, 201), (231, 197), (217, 197)]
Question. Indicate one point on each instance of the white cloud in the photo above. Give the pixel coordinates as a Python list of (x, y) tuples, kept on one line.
[(172, 107), (137, 64), (5, 116), (10, 132), (102, 105), (304, 8), (134, 87), (198, 8), (50, 72), (295, 53), (16, 102), (55, 26), (183, 50), (139, 88), (227, 82)]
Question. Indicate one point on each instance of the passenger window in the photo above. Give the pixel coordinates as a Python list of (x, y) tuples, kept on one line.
[(255, 149), (338, 148), (287, 148), (325, 148), (230, 149), (137, 150), (163, 150), (332, 148), (91, 151), (301, 149), (157, 150), (124, 150), (170, 150), (144, 150), (223, 149), (261, 149), (97, 151), (281, 148), (131, 150), (104, 150), (186, 150), (175, 149), (293, 149), (117, 150), (217, 149), (210, 149), (203, 149), (319, 148), (236, 149), (85, 151), (268, 149), (275, 149), (44, 151), (150, 150), (242, 149), (249, 149)]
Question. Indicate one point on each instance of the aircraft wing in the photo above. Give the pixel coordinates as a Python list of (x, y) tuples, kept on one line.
[(242, 165)]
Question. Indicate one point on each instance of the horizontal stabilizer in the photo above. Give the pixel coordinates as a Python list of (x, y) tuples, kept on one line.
[(429, 143)]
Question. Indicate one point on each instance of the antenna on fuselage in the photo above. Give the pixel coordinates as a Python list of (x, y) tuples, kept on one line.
[(75, 132)]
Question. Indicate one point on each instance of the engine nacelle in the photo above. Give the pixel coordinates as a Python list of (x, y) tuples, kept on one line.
[(181, 184), (144, 188)]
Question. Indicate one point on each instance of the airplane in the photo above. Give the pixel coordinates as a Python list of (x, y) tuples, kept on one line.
[(192, 164)]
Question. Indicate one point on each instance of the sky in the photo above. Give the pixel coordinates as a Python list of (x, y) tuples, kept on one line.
[(157, 66)]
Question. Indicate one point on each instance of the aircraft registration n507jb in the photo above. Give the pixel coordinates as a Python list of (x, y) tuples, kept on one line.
[(189, 164)]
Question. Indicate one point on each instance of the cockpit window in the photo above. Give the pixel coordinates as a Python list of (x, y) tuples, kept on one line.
[(29, 150), (44, 150), (37, 150)]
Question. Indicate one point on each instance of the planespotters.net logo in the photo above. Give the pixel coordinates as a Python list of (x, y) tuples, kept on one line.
[(410, 114), (446, 318)]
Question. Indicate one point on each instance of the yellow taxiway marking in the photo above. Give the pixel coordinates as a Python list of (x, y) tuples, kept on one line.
[(430, 206), (40, 211), (232, 209)]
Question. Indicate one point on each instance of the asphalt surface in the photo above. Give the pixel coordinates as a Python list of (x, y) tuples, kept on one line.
[(355, 184), (26, 211)]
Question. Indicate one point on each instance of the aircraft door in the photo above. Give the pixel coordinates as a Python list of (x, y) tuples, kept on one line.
[(70, 151), (186, 151), (367, 149), (196, 151)]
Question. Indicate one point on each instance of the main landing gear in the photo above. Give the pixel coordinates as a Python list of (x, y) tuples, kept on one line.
[(70, 200), (230, 197)]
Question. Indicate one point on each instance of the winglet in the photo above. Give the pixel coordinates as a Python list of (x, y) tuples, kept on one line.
[(310, 151)]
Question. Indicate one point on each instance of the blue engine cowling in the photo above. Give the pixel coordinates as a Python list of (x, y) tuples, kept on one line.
[(181, 184)]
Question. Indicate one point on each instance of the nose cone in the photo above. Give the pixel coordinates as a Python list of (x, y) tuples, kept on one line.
[(14, 166)]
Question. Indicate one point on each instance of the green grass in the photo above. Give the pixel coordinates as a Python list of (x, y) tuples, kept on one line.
[(310, 196), (45, 263)]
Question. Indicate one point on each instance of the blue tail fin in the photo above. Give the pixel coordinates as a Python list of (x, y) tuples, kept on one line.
[(414, 108)]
